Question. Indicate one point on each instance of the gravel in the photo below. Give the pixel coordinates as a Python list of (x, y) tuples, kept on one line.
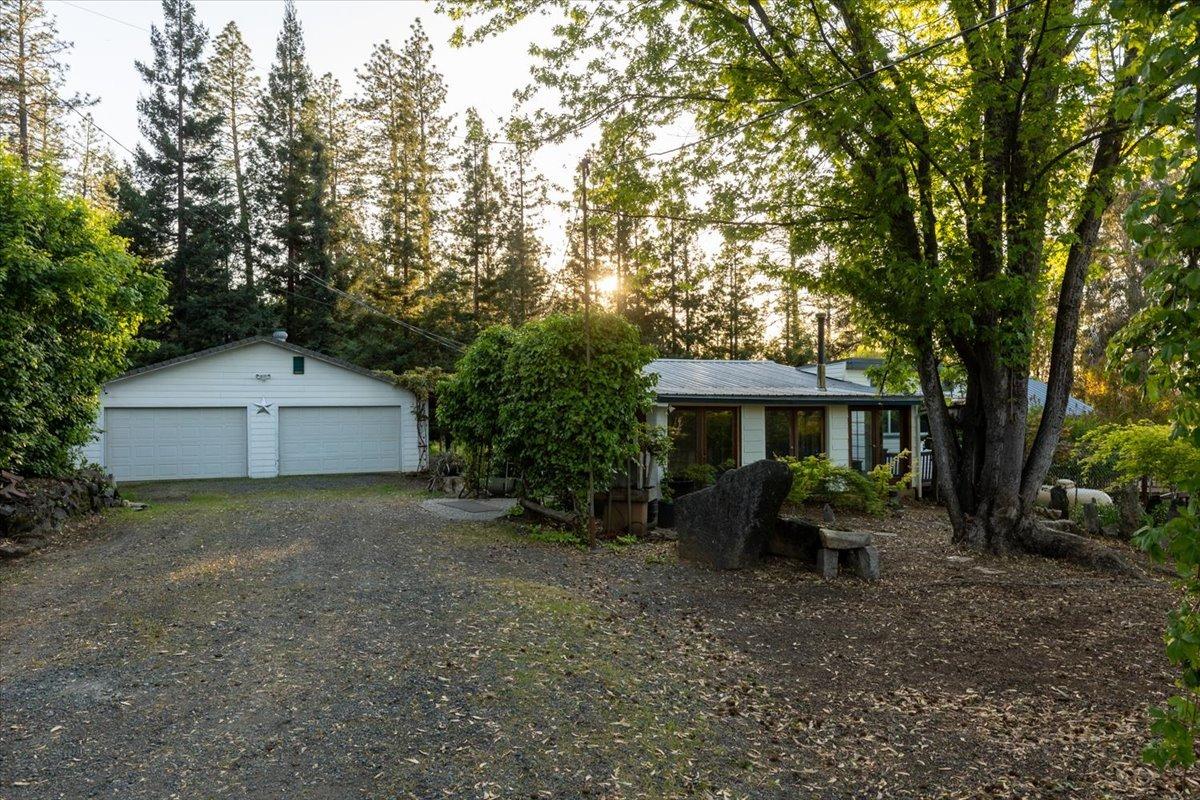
[(327, 638)]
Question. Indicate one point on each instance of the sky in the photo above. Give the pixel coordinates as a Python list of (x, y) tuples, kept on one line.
[(108, 36)]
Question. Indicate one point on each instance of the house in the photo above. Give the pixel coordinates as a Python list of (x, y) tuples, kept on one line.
[(855, 371), (258, 408), (726, 413)]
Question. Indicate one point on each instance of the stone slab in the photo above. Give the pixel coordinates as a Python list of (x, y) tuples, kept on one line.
[(845, 540)]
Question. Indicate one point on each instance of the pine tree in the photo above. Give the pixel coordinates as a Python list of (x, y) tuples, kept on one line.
[(93, 169), (292, 178), (401, 109), (234, 98), (174, 213), (32, 72), (336, 126), (476, 223), (426, 90), (737, 316), (387, 116), (523, 282)]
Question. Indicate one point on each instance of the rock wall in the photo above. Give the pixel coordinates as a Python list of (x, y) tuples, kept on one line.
[(33, 509)]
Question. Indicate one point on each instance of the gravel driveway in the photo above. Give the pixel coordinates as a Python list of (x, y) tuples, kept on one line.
[(327, 638)]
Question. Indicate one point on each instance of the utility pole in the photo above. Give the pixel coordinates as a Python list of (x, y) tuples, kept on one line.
[(587, 343)]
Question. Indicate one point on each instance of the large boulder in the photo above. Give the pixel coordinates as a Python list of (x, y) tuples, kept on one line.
[(728, 524)]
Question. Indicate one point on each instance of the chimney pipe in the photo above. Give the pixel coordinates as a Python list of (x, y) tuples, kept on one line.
[(821, 350)]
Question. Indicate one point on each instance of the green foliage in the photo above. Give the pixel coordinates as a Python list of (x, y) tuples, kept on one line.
[(555, 536), (71, 302), (816, 479), (174, 209), (1160, 349), (700, 474), (468, 400), (562, 417), (1142, 449)]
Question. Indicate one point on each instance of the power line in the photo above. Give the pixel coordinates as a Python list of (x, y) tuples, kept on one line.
[(437, 338), (102, 14)]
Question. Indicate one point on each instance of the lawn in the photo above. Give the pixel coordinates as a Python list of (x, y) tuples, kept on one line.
[(322, 638)]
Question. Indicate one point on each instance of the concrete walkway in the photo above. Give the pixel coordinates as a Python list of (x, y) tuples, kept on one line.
[(474, 510)]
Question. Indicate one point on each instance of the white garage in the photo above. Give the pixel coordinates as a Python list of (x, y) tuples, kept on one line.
[(258, 408)]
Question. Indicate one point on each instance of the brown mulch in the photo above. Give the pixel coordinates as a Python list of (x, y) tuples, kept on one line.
[(317, 639)]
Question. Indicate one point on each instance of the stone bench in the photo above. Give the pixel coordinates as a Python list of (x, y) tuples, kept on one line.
[(829, 548), (857, 548)]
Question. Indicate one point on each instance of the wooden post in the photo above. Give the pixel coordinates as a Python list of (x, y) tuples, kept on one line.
[(587, 343)]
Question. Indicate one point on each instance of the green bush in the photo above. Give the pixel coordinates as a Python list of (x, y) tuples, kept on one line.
[(561, 419), (1144, 448), (816, 479), (530, 397), (71, 302)]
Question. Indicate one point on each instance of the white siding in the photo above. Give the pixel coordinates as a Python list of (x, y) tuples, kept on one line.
[(93, 451), (229, 379), (754, 433), (837, 435), (263, 433)]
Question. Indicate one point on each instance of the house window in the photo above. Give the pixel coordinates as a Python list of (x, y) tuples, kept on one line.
[(297, 365), (795, 432), (701, 435)]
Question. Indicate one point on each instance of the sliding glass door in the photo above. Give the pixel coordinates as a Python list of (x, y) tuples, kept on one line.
[(878, 436)]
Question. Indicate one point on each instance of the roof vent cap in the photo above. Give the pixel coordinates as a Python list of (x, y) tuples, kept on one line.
[(279, 336)]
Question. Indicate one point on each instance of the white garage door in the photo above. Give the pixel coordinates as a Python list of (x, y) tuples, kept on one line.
[(147, 444), (318, 441)]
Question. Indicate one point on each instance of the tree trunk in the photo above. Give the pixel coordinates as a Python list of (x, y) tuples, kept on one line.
[(22, 90), (180, 227)]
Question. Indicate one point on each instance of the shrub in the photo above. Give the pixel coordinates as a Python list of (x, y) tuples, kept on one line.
[(530, 397), (1143, 448), (71, 302), (468, 400), (561, 419), (816, 479)]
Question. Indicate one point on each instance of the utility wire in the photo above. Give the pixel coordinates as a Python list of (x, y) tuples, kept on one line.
[(106, 16), (437, 338)]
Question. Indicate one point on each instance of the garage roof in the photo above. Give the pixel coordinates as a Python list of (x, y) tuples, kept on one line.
[(682, 379), (221, 348)]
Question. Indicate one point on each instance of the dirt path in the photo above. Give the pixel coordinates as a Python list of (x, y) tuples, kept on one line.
[(321, 638)]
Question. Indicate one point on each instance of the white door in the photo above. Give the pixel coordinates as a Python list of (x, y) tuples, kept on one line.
[(150, 444), (322, 441)]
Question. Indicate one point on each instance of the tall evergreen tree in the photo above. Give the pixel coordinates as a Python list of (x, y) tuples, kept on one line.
[(476, 224), (234, 97), (292, 179), (401, 107), (31, 76), (523, 282), (174, 210)]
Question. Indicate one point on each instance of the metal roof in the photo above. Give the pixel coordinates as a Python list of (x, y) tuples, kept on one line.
[(1036, 392), (754, 381), (221, 348), (856, 362)]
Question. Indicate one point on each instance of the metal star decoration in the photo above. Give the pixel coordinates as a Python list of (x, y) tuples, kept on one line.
[(264, 407)]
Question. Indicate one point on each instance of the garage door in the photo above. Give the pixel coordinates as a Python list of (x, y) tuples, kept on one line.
[(318, 441), (146, 444)]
